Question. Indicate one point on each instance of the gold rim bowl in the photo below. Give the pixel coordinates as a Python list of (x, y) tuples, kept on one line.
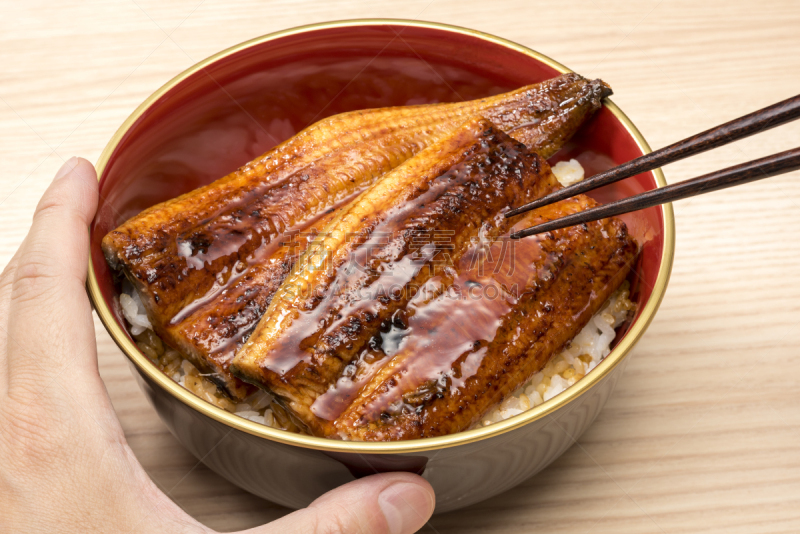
[(619, 352)]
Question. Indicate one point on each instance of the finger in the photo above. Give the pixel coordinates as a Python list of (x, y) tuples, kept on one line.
[(50, 324), (390, 503), (6, 279)]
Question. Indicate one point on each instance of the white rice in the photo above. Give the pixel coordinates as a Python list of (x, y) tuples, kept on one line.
[(568, 172), (583, 354), (133, 310)]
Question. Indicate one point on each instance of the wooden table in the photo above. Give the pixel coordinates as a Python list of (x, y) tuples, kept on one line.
[(703, 431)]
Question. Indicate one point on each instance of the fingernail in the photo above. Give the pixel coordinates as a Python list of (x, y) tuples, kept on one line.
[(406, 507), (66, 168)]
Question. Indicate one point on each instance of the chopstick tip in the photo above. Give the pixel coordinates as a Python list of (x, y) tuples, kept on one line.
[(533, 230)]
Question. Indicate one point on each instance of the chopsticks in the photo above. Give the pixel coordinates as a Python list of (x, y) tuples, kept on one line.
[(740, 174), (758, 121)]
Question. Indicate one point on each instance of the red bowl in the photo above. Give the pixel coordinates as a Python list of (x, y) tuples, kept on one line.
[(234, 106)]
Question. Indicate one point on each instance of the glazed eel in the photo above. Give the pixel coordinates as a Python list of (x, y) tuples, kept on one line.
[(206, 264)]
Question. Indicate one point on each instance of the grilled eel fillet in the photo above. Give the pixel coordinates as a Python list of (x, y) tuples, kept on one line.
[(358, 273), (207, 263), (419, 394)]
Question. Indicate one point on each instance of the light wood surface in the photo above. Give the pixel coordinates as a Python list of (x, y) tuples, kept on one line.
[(703, 432)]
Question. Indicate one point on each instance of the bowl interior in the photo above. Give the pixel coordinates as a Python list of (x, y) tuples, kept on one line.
[(241, 104)]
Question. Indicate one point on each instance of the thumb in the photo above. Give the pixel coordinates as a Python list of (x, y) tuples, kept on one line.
[(50, 319), (390, 503)]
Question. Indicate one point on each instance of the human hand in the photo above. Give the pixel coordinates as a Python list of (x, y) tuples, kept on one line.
[(64, 463)]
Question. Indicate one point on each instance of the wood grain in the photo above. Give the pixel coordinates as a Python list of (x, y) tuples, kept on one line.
[(703, 431)]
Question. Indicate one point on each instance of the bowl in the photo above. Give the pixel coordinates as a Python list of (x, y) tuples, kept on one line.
[(235, 105)]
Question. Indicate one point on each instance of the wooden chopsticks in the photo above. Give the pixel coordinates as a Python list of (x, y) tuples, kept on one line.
[(758, 121), (740, 174)]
